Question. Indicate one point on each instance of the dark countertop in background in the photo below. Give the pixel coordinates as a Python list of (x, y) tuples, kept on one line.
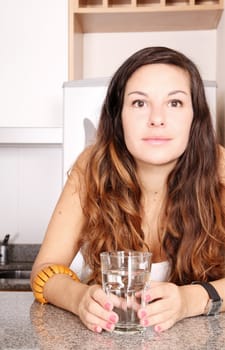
[(14, 284), (16, 266), (26, 324), (20, 257), (18, 253)]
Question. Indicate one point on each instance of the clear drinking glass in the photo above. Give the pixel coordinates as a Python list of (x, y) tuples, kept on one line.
[(125, 278)]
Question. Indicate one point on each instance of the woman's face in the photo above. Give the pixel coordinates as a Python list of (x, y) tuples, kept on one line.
[(157, 113)]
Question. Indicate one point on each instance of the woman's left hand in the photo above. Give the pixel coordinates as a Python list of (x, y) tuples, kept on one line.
[(167, 305)]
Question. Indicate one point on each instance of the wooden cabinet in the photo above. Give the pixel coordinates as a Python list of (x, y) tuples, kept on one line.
[(93, 16)]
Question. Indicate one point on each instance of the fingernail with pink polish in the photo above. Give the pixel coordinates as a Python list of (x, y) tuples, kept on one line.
[(144, 322), (109, 326), (147, 298), (97, 329), (108, 306), (113, 318), (158, 329), (143, 314)]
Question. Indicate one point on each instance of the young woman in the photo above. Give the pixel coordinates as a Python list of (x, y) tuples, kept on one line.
[(153, 180)]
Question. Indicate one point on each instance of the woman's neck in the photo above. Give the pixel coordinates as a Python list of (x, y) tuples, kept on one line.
[(153, 178)]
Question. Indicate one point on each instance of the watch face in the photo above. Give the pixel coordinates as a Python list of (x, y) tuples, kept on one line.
[(213, 307)]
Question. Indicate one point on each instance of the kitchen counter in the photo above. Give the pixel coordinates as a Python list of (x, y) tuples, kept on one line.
[(26, 324)]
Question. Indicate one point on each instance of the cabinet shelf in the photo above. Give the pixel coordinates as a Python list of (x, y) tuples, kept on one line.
[(30, 135), (107, 16), (106, 5)]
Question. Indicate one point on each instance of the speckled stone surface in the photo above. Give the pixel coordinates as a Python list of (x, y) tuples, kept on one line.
[(26, 324)]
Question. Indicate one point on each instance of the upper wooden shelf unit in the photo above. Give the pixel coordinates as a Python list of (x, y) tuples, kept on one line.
[(96, 16)]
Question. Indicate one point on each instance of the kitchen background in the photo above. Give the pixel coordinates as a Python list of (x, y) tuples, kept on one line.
[(33, 69)]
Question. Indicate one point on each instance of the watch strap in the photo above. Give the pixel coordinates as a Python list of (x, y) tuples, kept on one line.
[(213, 294)]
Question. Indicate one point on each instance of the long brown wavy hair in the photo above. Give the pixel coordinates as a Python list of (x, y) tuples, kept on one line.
[(193, 228)]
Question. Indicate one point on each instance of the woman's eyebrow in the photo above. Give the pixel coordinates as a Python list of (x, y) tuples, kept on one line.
[(137, 92), (177, 92), (174, 92)]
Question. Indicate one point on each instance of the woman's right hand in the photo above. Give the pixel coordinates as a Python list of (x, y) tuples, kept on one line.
[(95, 310)]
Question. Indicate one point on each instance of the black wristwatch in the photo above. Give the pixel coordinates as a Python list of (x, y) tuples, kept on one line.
[(215, 301)]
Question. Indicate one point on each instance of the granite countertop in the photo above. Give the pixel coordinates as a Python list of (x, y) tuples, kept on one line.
[(26, 324)]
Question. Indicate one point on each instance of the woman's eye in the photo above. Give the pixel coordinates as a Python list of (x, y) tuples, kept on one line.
[(138, 103), (175, 103)]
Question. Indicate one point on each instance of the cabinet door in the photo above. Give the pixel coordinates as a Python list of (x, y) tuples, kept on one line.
[(33, 62)]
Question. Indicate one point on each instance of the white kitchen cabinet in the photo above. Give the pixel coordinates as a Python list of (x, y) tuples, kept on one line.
[(30, 184), (129, 16), (33, 67), (33, 62)]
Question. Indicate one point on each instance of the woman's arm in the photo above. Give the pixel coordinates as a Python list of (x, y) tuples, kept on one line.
[(60, 243), (59, 247)]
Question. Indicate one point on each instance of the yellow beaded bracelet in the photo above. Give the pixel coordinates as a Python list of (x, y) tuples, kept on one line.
[(43, 276)]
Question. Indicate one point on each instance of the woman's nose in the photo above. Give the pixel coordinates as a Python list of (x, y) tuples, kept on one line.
[(156, 118)]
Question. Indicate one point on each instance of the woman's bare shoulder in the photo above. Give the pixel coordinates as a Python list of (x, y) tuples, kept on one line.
[(221, 151), (77, 170), (221, 168)]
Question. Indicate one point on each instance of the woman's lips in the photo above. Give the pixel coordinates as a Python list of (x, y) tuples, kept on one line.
[(156, 140)]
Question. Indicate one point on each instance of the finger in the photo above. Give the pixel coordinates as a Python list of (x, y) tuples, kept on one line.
[(97, 324), (100, 312), (156, 307), (155, 312), (157, 320), (102, 298), (97, 318), (163, 326), (158, 290)]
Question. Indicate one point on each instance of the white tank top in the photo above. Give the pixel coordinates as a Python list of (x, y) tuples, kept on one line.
[(159, 271)]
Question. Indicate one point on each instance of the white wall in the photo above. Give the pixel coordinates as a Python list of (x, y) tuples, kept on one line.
[(103, 53), (33, 61)]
